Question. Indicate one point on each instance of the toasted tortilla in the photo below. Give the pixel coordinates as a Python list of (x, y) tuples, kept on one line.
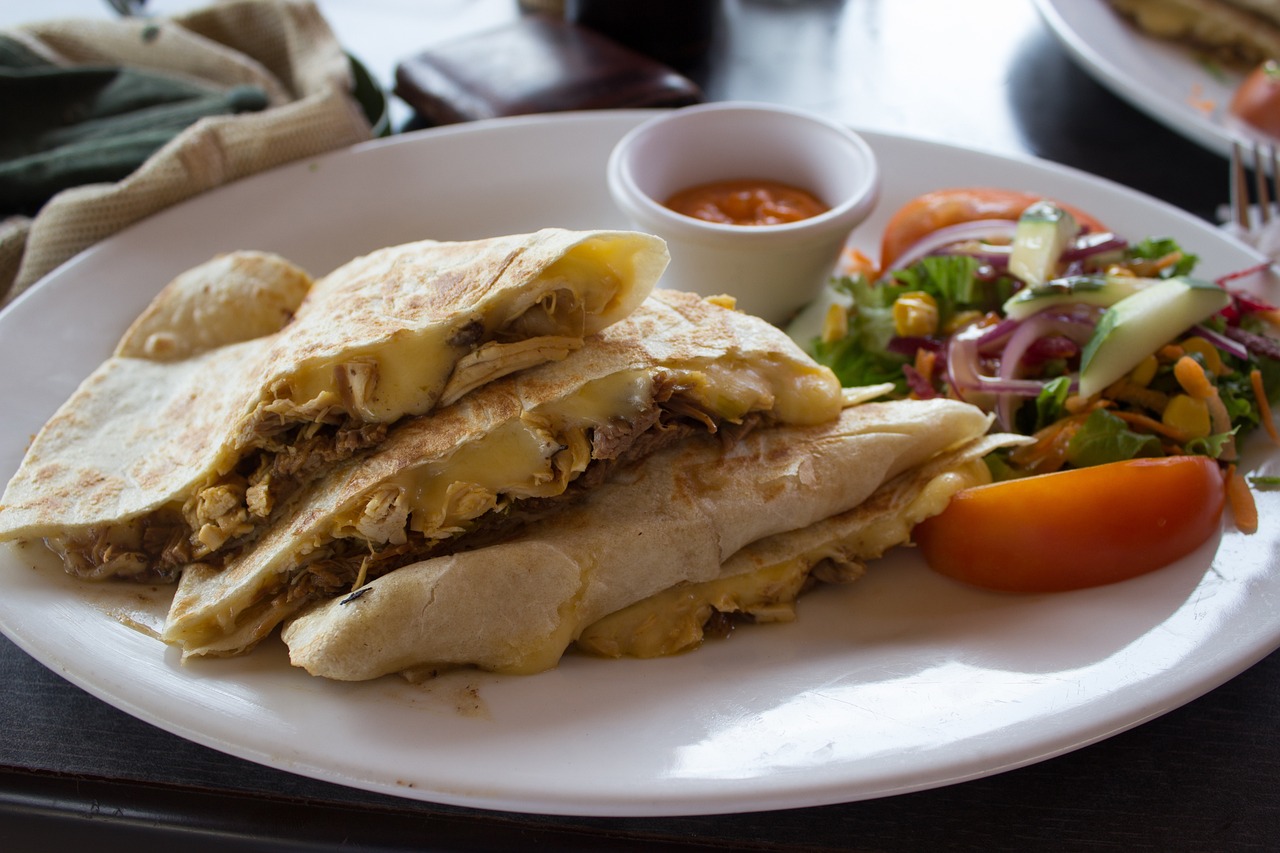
[(507, 455), (234, 297), (763, 580), (674, 518), (189, 437)]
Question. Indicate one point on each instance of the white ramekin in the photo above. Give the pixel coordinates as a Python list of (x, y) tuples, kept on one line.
[(772, 270)]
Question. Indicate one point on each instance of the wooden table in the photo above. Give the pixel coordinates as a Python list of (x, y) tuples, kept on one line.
[(983, 73)]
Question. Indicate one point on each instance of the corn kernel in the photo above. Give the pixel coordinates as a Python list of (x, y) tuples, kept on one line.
[(1144, 372), (835, 324), (1188, 416), (915, 313), (1209, 355), (960, 319)]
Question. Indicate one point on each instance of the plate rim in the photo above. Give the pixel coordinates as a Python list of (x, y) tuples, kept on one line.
[(797, 796)]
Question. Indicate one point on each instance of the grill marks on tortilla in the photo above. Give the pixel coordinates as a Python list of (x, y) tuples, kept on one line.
[(298, 379), (287, 446)]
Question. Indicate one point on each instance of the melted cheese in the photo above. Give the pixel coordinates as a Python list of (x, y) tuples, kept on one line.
[(672, 621), (408, 369), (532, 456), (801, 394), (411, 367), (539, 454), (601, 261)]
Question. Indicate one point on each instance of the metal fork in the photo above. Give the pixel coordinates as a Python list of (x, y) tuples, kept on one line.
[(1264, 162)]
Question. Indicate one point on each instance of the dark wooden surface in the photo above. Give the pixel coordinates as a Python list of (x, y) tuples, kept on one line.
[(983, 73)]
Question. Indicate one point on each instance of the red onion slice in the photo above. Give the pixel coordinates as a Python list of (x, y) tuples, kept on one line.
[(1030, 330), (1222, 342), (981, 229), (1096, 243)]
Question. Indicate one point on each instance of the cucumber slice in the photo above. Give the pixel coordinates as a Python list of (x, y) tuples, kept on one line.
[(1138, 325), (1043, 231), (1101, 290)]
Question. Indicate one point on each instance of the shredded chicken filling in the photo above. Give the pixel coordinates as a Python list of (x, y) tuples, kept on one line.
[(288, 444), (344, 564), (155, 547)]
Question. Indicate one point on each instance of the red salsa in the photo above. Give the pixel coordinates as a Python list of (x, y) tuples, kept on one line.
[(746, 202)]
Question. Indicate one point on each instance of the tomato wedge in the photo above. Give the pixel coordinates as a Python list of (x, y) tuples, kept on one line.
[(1077, 528), (927, 213)]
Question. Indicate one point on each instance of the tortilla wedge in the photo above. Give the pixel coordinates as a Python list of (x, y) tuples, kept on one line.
[(507, 455), (673, 519), (211, 413)]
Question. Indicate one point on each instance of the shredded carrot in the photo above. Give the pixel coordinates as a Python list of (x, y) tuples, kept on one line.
[(1151, 268), (1049, 452), (1130, 392), (1152, 425), (925, 361), (1240, 498), (1264, 405), (853, 261)]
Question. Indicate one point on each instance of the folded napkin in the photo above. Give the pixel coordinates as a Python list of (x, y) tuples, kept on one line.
[(110, 121), (87, 123)]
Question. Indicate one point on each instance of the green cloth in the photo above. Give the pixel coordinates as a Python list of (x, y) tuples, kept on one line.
[(67, 126)]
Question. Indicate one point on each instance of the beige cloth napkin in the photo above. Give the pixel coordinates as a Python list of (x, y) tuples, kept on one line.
[(284, 46)]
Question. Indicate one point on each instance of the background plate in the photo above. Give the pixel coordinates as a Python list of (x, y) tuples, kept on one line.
[(1168, 82), (900, 682)]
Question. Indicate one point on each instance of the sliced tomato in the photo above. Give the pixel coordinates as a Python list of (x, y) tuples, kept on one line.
[(1077, 528), (940, 208)]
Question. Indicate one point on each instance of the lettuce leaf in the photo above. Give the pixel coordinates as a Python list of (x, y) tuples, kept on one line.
[(1155, 248), (1107, 438)]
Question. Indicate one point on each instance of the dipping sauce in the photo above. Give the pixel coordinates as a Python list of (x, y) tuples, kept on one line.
[(746, 202)]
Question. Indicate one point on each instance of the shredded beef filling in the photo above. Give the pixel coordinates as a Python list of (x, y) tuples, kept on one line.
[(154, 548), (343, 562)]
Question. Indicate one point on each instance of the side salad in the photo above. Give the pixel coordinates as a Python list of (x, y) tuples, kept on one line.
[(1100, 347)]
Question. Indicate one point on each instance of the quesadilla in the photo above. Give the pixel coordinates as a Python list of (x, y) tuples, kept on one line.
[(675, 518), (189, 438), (509, 453), (1240, 33)]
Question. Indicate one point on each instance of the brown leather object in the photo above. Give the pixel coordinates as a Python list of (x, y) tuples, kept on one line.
[(535, 65)]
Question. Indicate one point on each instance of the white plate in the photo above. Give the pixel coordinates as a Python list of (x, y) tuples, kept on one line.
[(900, 682), (1168, 82)]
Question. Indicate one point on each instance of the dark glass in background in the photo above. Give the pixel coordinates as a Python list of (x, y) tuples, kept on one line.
[(677, 33)]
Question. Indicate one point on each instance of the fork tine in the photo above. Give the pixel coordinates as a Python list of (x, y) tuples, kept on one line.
[(1239, 188), (1273, 158), (1261, 185)]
